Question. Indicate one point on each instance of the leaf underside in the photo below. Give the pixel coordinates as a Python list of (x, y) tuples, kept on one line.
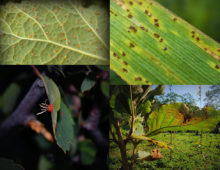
[(154, 46), (53, 32)]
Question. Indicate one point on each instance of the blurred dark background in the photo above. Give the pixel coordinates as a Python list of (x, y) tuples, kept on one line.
[(203, 14)]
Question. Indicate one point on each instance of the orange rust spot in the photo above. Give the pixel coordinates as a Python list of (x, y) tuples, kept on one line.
[(174, 18)]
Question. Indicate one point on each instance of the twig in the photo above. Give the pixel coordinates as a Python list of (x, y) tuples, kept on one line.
[(133, 116), (21, 116)]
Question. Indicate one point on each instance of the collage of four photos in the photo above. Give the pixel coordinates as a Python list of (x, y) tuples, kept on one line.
[(109, 84)]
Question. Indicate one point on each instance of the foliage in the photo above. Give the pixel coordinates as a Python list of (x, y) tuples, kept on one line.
[(154, 46), (73, 134), (213, 97), (190, 151), (139, 127), (53, 32)]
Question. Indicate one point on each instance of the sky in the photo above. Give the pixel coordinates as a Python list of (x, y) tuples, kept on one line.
[(192, 89)]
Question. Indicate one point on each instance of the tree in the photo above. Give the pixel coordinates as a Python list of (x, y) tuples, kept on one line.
[(213, 97)]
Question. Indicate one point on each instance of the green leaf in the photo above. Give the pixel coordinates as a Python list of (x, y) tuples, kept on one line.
[(144, 138), (105, 88), (10, 97), (169, 117), (87, 84), (64, 130), (88, 152), (151, 45), (7, 164), (53, 94), (141, 155), (53, 32), (138, 125)]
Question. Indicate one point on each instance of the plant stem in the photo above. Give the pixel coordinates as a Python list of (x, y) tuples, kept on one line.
[(122, 147)]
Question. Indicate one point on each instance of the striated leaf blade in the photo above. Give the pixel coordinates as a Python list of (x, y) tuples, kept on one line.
[(154, 46)]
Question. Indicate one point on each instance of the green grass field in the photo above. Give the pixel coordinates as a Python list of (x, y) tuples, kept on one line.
[(190, 151)]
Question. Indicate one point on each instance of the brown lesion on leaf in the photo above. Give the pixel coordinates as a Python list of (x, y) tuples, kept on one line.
[(144, 29), (217, 66), (146, 12), (130, 2), (165, 48), (161, 39), (197, 38), (116, 56), (138, 78), (140, 3), (123, 53), (125, 63), (133, 28), (130, 16), (124, 70), (156, 35), (174, 19), (157, 24), (131, 45)]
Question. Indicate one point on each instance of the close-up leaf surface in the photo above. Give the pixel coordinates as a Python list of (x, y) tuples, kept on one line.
[(151, 45), (53, 32)]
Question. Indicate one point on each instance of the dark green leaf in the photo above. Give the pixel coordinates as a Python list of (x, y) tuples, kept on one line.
[(64, 131)]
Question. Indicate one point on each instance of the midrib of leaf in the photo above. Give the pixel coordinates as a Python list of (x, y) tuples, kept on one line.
[(93, 30), (119, 44)]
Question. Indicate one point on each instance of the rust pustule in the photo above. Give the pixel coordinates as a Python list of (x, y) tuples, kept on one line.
[(217, 66), (197, 38), (156, 20), (140, 3), (133, 28), (156, 24), (130, 16), (165, 48), (174, 18), (123, 53), (115, 55), (161, 40), (131, 45), (130, 2), (124, 70), (137, 78), (146, 11), (156, 35), (125, 63)]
